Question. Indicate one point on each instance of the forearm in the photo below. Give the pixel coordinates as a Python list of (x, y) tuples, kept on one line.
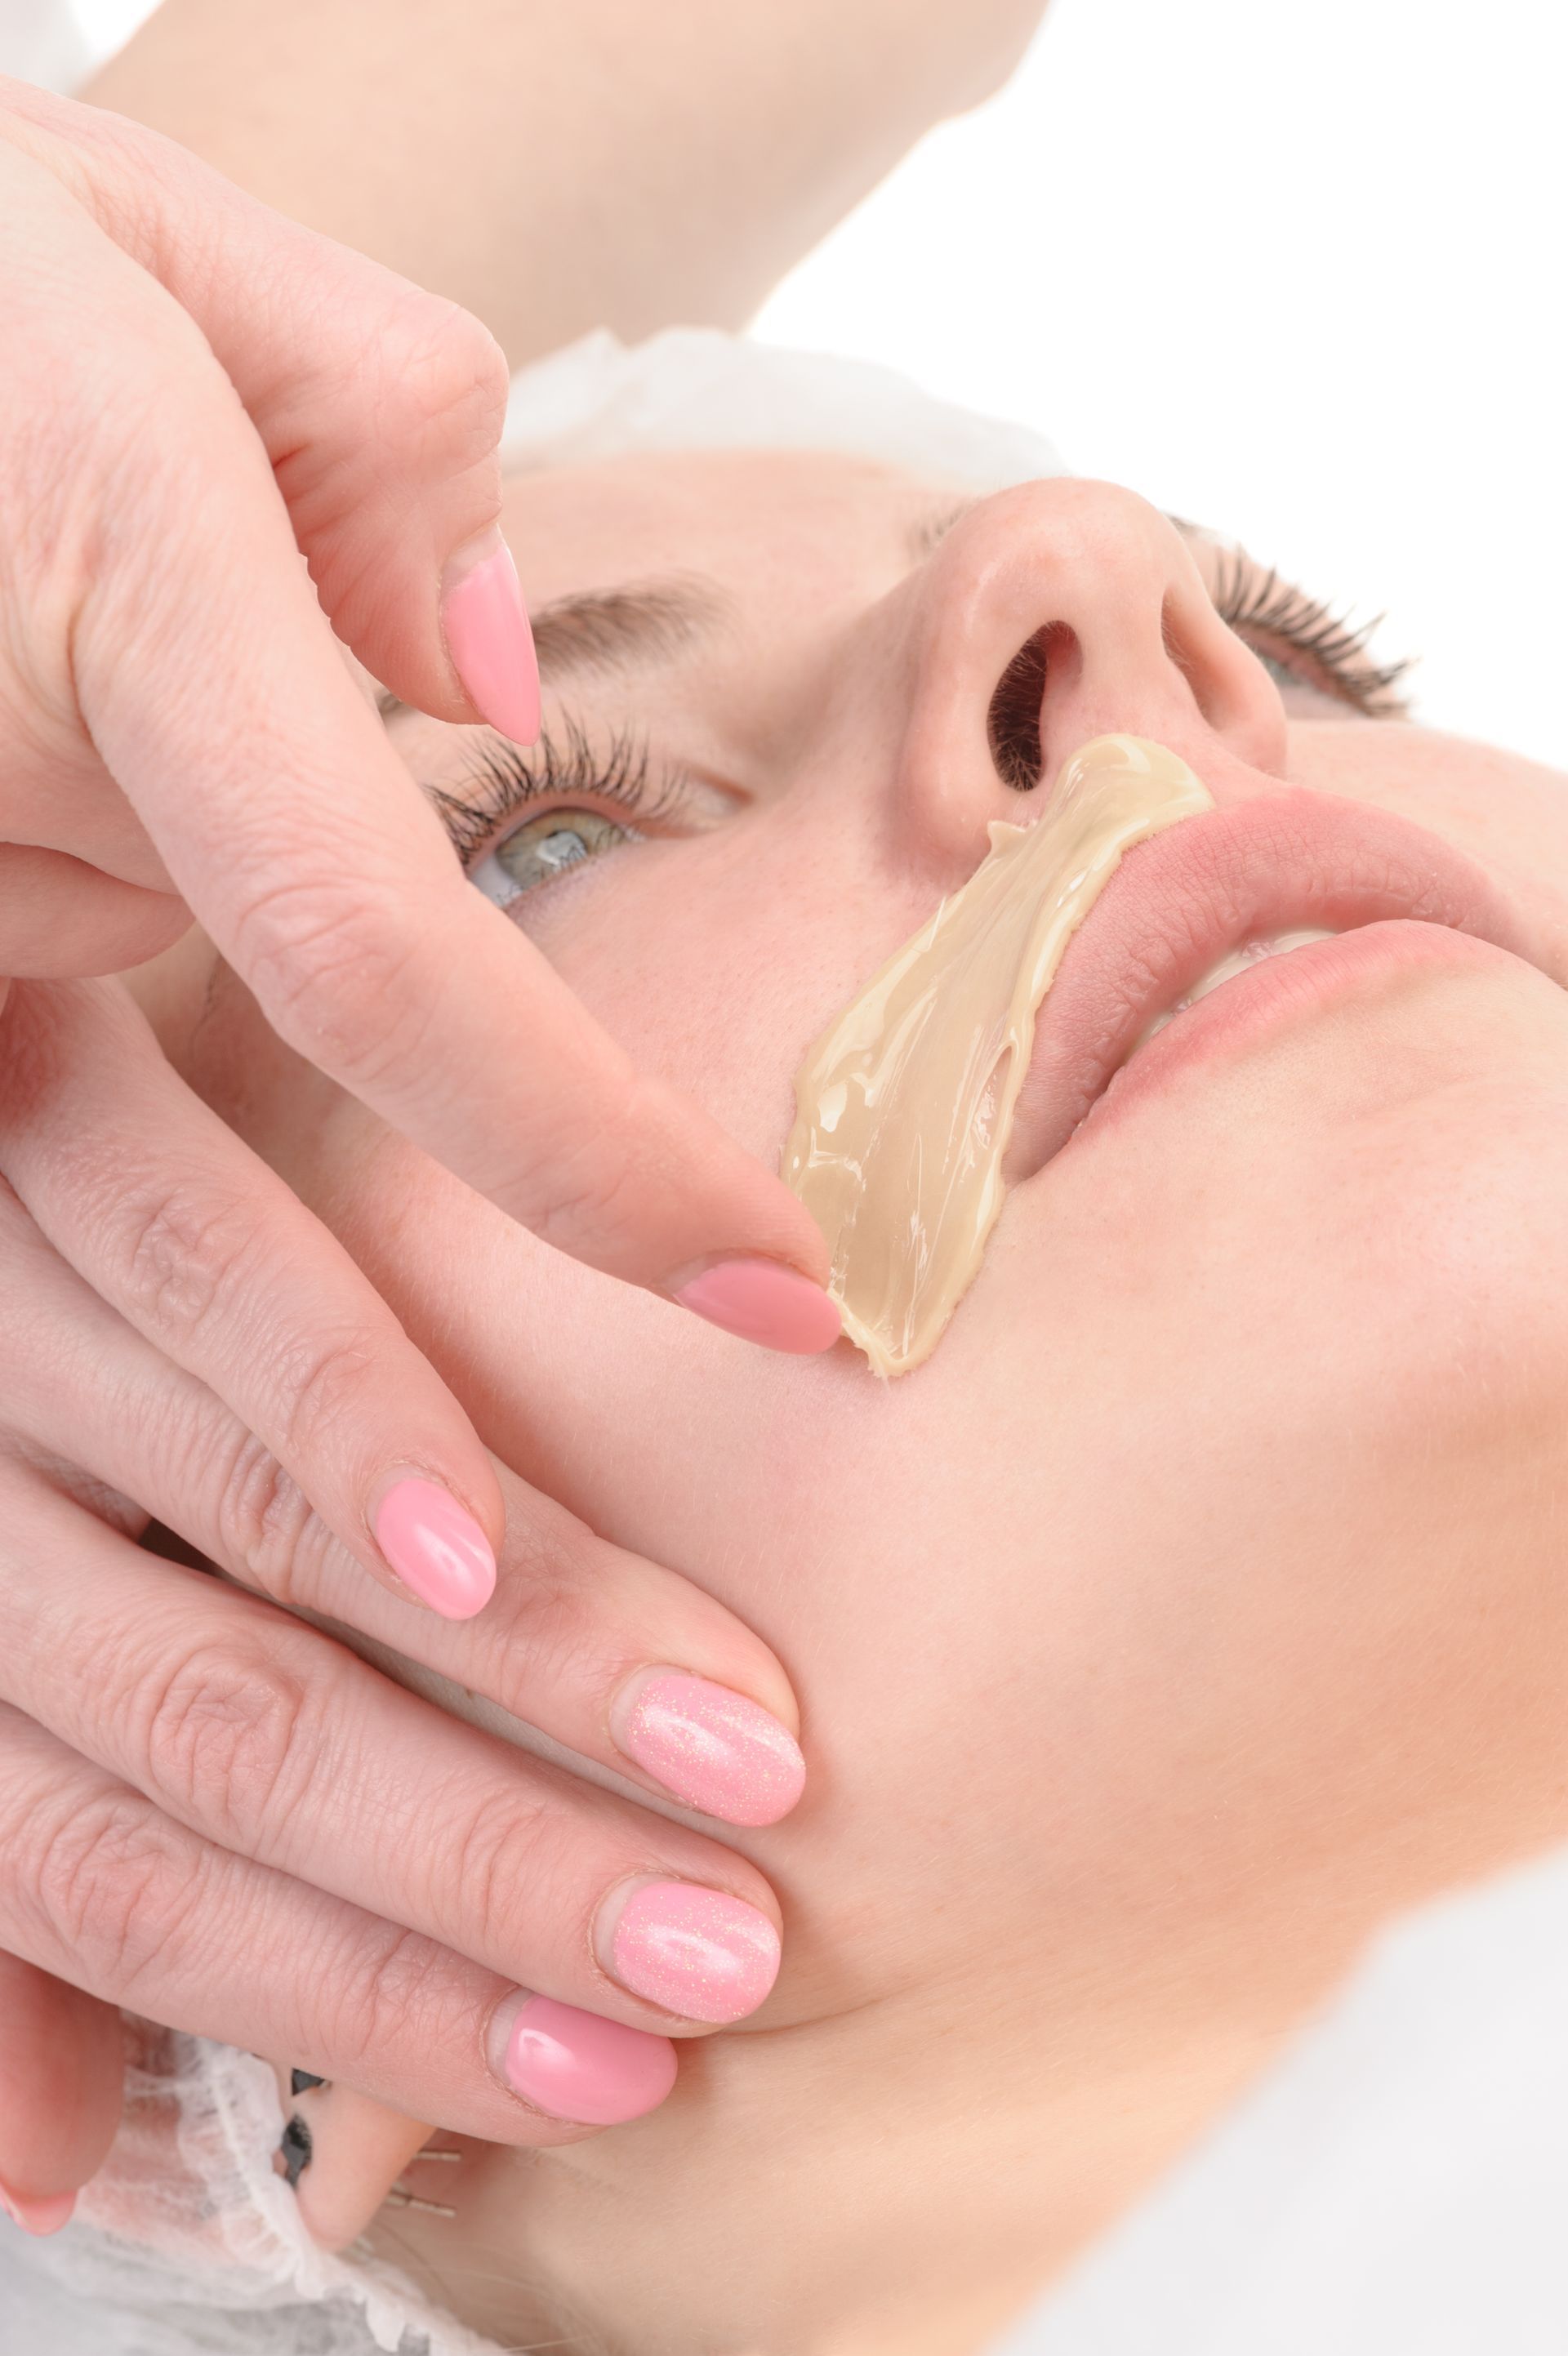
[(620, 163)]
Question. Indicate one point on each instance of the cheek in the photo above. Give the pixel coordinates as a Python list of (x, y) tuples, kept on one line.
[(717, 962), (1219, 1528), (1297, 1378)]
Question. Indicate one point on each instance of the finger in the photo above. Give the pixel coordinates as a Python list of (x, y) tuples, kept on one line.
[(380, 408), (622, 1660), (61, 2072), (59, 915), (236, 1721), (219, 706), (205, 1251), (98, 1887), (342, 2154)]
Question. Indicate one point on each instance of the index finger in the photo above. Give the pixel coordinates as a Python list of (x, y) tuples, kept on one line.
[(217, 700), (328, 881), (341, 907)]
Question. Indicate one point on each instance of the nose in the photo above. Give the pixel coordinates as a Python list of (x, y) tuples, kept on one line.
[(1058, 612)]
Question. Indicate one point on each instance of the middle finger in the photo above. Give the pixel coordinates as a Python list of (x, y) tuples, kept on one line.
[(622, 1660), (275, 1741)]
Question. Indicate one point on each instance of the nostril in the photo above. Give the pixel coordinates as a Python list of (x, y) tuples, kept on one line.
[(1013, 720)]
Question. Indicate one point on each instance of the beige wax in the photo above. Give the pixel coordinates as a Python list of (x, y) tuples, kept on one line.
[(905, 1105)]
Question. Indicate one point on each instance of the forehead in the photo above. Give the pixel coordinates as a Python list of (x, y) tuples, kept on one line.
[(804, 515)]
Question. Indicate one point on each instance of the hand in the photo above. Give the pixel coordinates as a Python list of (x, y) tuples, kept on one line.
[(195, 391), (220, 1816)]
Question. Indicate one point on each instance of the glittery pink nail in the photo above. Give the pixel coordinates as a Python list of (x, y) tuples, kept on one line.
[(695, 1951), (712, 1747)]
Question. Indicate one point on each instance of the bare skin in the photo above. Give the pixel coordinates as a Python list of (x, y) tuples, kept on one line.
[(1199, 1605), (597, 165), (249, 390)]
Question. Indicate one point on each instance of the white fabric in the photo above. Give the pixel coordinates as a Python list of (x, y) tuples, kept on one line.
[(188, 2243), (1397, 2183), (696, 387)]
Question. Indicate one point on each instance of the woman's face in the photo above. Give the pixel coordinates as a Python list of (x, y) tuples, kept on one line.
[(1201, 1600)]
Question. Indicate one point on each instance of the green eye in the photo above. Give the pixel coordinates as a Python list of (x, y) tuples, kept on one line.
[(543, 848)]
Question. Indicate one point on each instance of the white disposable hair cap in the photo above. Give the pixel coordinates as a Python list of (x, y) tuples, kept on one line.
[(699, 389)]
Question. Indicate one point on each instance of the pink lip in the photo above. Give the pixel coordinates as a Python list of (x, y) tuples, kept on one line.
[(1180, 902)]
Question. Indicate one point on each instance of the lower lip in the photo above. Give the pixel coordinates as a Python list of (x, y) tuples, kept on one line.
[(1279, 992)]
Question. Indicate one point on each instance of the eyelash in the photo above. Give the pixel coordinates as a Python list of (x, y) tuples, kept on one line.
[(1252, 600), (1248, 598), (563, 768)]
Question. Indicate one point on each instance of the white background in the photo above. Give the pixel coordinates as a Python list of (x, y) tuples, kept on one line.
[(1295, 268)]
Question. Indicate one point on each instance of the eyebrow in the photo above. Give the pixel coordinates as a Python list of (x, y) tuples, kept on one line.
[(619, 629), (614, 631)]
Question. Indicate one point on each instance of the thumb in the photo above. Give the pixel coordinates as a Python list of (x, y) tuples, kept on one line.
[(380, 406), (61, 2071)]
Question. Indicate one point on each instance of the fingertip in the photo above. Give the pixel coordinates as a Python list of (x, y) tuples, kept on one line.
[(698, 1952), (713, 1747), (489, 637), (38, 2216), (762, 1301), (435, 1547), (578, 2066)]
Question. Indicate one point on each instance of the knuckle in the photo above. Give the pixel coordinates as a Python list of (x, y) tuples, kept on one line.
[(117, 1884), (548, 1585), (323, 1382), (499, 1856), (265, 1527), (448, 377), (596, 1191), (182, 1254), (338, 973), (389, 1991), (226, 1736)]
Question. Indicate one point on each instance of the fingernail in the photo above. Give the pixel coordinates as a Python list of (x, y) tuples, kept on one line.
[(488, 637), (710, 1747), (38, 2217), (437, 1548), (693, 1950), (576, 2066), (764, 1303)]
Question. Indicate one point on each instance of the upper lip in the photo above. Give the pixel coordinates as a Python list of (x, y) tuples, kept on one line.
[(1185, 898)]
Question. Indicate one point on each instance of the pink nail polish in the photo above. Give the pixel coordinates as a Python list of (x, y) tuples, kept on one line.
[(488, 637), (576, 2066), (437, 1548), (695, 1951), (765, 1302), (38, 2217), (713, 1747)]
